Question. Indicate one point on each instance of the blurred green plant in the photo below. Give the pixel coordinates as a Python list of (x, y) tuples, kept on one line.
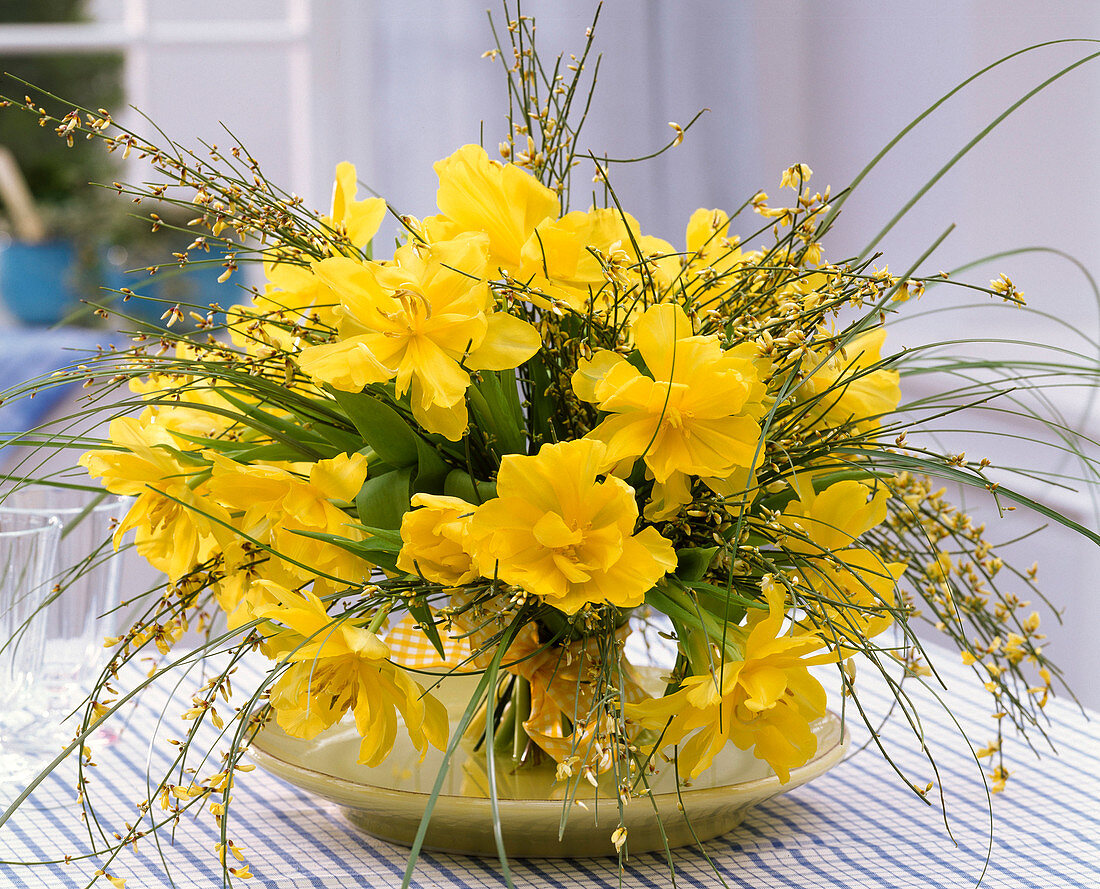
[(88, 219), (56, 175)]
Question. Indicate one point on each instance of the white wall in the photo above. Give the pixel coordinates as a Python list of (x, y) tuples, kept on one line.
[(395, 86)]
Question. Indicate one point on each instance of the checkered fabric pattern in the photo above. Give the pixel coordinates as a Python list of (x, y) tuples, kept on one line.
[(410, 647), (855, 826)]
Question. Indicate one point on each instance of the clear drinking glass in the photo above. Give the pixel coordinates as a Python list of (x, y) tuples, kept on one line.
[(28, 556), (84, 589)]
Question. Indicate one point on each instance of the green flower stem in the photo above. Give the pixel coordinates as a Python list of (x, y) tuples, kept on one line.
[(379, 618), (678, 606), (486, 417), (505, 731), (521, 707), (696, 628)]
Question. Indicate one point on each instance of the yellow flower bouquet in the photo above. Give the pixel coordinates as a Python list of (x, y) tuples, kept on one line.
[(522, 435)]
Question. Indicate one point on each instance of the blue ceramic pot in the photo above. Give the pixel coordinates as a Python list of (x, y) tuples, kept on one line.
[(38, 281)]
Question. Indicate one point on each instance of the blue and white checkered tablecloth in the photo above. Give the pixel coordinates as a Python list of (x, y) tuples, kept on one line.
[(856, 826)]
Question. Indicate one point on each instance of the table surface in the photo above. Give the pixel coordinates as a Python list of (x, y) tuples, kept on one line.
[(855, 826), (36, 352)]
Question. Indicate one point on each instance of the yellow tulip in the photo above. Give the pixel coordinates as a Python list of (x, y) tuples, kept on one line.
[(358, 220), (423, 321), (558, 532), (293, 294), (713, 258), (433, 535), (854, 595), (848, 392), (833, 519), (272, 504), (184, 401), (855, 587), (338, 665), (174, 521), (765, 701), (502, 201), (696, 415), (560, 261)]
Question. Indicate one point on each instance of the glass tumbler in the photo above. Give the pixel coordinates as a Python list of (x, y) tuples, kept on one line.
[(84, 589), (28, 555)]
